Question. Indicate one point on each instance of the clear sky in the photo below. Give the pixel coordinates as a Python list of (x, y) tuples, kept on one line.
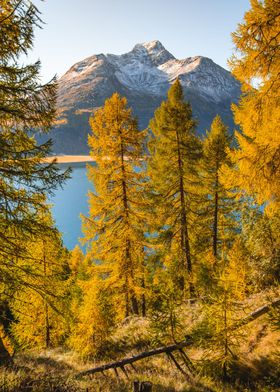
[(76, 29)]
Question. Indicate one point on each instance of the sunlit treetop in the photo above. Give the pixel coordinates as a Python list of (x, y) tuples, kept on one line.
[(257, 43)]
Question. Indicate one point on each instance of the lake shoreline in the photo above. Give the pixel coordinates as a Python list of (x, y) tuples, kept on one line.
[(69, 158)]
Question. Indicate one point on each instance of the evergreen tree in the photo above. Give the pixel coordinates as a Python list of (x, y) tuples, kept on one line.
[(257, 63), (26, 106), (115, 228), (175, 151)]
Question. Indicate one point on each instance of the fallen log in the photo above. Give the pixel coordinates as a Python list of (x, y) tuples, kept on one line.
[(179, 346), (130, 360), (256, 314)]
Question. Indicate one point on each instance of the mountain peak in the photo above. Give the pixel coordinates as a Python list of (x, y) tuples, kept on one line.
[(144, 75), (151, 46), (150, 69), (155, 51)]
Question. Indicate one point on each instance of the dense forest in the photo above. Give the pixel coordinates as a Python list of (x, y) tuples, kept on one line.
[(180, 247)]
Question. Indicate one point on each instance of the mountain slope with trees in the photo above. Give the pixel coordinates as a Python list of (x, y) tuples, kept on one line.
[(182, 250)]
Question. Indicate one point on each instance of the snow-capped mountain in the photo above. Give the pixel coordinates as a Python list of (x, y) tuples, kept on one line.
[(144, 76)]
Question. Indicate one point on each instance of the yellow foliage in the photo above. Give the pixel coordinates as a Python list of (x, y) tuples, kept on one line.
[(39, 307), (172, 168), (96, 318), (114, 230), (257, 62), (233, 277)]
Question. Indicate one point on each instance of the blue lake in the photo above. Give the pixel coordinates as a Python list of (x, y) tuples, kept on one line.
[(70, 202)]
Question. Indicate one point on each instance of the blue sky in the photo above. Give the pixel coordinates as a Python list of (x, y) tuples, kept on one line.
[(75, 29)]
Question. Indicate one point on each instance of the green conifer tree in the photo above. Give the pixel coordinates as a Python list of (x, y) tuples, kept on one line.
[(26, 106)]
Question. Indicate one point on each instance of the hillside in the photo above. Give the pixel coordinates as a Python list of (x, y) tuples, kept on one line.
[(255, 367)]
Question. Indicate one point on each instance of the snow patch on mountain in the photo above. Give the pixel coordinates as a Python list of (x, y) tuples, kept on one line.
[(85, 67), (149, 68)]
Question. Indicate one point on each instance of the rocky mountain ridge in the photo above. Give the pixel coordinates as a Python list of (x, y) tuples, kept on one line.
[(144, 76)]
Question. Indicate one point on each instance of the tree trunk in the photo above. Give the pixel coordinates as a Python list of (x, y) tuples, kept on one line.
[(143, 302), (226, 348), (126, 299), (185, 243), (216, 209), (47, 327), (134, 303), (127, 361), (142, 386), (47, 321), (133, 299), (5, 357)]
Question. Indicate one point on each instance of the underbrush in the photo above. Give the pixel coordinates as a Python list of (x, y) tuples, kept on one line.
[(56, 372), (255, 368)]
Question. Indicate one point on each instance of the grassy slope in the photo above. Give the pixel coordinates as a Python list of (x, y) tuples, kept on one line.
[(257, 367)]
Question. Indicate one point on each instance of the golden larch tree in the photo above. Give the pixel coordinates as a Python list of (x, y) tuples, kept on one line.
[(174, 154), (40, 305), (257, 65), (114, 230), (219, 220)]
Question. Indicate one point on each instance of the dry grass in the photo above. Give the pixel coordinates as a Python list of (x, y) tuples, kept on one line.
[(55, 371), (256, 369)]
